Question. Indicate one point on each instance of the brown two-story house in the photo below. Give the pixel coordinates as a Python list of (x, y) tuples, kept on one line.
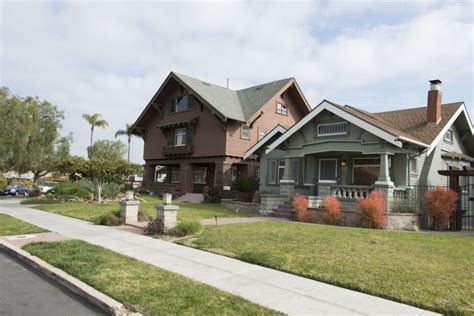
[(196, 133)]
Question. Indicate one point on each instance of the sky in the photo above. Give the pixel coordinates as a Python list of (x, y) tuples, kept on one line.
[(110, 57)]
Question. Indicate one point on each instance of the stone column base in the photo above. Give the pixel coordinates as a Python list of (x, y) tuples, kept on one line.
[(166, 214), (129, 210)]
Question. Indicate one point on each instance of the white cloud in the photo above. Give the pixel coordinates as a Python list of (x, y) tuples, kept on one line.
[(110, 57)]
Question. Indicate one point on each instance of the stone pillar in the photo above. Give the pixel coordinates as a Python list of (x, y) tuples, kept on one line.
[(129, 208), (287, 183), (166, 214), (186, 178)]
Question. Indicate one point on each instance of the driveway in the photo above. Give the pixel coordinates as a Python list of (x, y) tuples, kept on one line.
[(24, 292)]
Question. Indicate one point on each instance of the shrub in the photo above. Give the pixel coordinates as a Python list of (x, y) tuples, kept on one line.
[(403, 206), (187, 228), (3, 183), (111, 190), (372, 210), (332, 210), (300, 209), (142, 216), (245, 185), (69, 190), (153, 226), (86, 185), (440, 204), (112, 219)]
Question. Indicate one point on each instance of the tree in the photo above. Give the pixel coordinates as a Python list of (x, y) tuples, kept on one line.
[(107, 149), (95, 120), (29, 135), (128, 132)]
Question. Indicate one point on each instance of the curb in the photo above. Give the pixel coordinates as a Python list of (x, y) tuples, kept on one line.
[(91, 295)]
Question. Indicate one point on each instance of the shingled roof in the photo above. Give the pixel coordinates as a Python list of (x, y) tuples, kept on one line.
[(407, 123), (238, 105)]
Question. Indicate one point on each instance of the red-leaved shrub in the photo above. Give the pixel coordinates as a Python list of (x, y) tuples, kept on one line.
[(300, 209), (332, 210), (440, 204), (372, 210)]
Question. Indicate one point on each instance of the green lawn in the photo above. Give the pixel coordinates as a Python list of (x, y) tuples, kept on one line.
[(432, 271), (93, 211), (149, 289), (12, 226)]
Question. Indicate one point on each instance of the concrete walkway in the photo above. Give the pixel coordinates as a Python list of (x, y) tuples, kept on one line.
[(274, 289)]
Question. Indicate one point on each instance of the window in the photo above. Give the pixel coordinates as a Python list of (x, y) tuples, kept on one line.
[(245, 132), (175, 175), (366, 170), (179, 137), (331, 129), (160, 174), (282, 108), (200, 175), (413, 166), (281, 169), (261, 133), (181, 104), (234, 173), (257, 172), (327, 170), (448, 136)]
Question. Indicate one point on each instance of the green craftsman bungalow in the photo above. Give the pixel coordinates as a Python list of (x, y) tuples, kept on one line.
[(348, 152)]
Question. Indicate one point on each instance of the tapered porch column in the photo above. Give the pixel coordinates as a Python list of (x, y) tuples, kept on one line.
[(287, 183), (384, 183)]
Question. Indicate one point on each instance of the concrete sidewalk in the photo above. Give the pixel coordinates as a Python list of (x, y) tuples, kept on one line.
[(274, 289)]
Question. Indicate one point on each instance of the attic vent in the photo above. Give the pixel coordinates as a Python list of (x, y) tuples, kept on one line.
[(258, 88), (330, 129), (206, 83)]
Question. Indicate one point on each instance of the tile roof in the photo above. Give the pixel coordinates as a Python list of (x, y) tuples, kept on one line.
[(409, 123), (234, 104)]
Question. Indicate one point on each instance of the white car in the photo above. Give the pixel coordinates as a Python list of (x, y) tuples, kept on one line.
[(46, 186)]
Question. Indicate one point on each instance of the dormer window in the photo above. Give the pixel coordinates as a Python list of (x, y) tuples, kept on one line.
[(331, 129), (448, 136), (181, 104), (282, 109)]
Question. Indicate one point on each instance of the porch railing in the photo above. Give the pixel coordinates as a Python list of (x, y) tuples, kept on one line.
[(351, 191), (401, 193)]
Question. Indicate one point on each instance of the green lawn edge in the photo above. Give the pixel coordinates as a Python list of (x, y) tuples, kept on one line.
[(146, 288), (392, 265), (12, 226)]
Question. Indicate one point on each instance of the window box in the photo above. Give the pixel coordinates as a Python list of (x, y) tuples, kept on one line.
[(178, 151)]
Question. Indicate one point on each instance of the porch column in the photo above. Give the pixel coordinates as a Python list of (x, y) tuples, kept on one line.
[(384, 182), (149, 175), (287, 183), (186, 178), (384, 175), (222, 173)]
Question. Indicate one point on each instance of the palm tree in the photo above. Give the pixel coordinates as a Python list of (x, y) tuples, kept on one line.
[(128, 132), (95, 120)]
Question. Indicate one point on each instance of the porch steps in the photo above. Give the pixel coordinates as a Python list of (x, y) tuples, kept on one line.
[(191, 198), (284, 210)]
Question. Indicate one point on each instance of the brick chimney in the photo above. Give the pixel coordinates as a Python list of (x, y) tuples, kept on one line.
[(433, 110)]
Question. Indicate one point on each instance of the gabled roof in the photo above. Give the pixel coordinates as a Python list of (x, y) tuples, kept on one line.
[(408, 125), (279, 129), (239, 105)]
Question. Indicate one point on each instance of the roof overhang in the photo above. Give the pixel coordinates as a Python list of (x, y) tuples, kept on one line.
[(325, 105), (252, 150), (461, 110)]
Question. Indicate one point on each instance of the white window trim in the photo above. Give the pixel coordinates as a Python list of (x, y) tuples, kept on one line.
[(331, 134), (242, 130), (447, 140), (319, 170), (281, 108), (183, 137)]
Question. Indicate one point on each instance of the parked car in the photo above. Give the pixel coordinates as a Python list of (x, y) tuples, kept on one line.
[(46, 186), (18, 189)]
